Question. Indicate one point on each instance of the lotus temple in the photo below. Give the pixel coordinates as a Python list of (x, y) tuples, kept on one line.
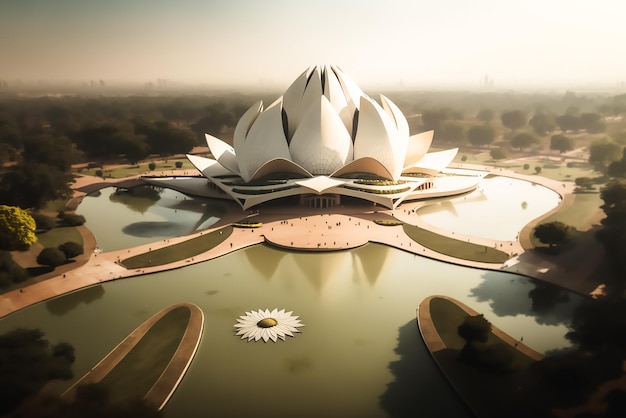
[(323, 140)]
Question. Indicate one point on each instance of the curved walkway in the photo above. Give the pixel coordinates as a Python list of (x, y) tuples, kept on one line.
[(295, 228), (435, 343), (167, 383)]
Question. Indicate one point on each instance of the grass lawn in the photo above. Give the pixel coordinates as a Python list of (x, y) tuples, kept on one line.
[(162, 167), (140, 369), (454, 247), (177, 252), (60, 235)]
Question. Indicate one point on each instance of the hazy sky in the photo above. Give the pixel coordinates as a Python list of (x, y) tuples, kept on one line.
[(531, 43)]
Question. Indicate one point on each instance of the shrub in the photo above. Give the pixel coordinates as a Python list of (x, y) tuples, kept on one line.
[(178, 164), (43, 222), (51, 256), (72, 219), (537, 169), (10, 271), (71, 249), (464, 158), (100, 173), (151, 166), (526, 166)]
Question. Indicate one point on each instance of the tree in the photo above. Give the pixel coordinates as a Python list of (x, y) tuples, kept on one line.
[(17, 228), (57, 152), (474, 328), (485, 115), (44, 222), (561, 143), (498, 154), (10, 271), (52, 257), (28, 362), (584, 182), (432, 120), (166, 138), (554, 233), (613, 232), (618, 168), (602, 152), (542, 124), (592, 122), (33, 185), (71, 249), (513, 119), (178, 164), (481, 135), (71, 219), (568, 122), (151, 166), (523, 140), (537, 169), (452, 132)]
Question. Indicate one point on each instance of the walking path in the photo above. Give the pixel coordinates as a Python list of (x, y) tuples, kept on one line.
[(294, 228)]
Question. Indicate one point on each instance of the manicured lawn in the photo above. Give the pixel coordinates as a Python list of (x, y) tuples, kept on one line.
[(142, 168), (177, 252), (58, 236), (454, 247), (139, 370)]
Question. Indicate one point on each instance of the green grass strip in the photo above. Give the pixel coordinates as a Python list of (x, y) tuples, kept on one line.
[(60, 235), (180, 251), (140, 369), (454, 247)]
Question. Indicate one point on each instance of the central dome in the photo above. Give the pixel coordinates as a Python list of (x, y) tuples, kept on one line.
[(322, 139), (323, 125)]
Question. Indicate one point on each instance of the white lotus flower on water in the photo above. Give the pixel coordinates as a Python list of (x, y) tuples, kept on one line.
[(266, 325), (323, 125)]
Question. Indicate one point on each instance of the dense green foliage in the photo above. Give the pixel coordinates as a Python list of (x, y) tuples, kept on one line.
[(27, 362), (71, 249), (554, 233), (52, 257), (513, 119), (481, 135), (17, 228), (10, 271)]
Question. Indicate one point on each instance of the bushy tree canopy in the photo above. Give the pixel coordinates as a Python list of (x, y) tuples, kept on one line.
[(554, 233), (561, 143), (52, 257), (17, 228), (523, 140), (513, 119), (481, 135)]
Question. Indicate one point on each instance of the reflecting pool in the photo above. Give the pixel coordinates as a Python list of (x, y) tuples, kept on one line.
[(359, 354), (124, 219), (498, 209)]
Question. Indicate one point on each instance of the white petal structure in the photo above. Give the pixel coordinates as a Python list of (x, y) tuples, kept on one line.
[(267, 325), (325, 127)]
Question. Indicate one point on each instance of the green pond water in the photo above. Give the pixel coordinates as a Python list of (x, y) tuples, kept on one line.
[(359, 354)]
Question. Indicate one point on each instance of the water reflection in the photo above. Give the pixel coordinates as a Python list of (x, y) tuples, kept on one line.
[(415, 390), (548, 304), (507, 203), (63, 305), (138, 199), (143, 214)]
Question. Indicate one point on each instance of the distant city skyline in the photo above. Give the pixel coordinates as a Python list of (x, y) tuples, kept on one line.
[(396, 43)]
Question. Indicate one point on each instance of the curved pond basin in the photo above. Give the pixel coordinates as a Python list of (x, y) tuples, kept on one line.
[(359, 353)]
